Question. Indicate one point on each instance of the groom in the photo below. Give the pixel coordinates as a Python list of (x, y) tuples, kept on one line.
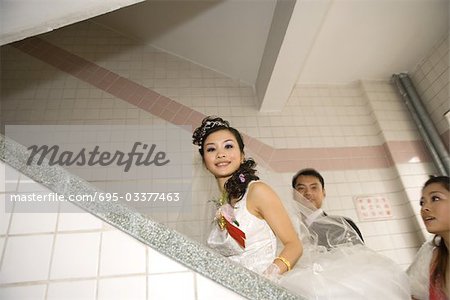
[(330, 230)]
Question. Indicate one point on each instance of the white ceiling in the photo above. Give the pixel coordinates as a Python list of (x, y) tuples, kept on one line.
[(373, 39), (274, 45), (20, 19), (224, 35)]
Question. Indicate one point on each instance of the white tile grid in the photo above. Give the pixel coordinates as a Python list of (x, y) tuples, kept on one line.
[(413, 194), (27, 220), (443, 45), (2, 245), (70, 263), (65, 261), (120, 254), (392, 129), (418, 78), (5, 217), (72, 218), (438, 105), (414, 181), (80, 111), (402, 211), (398, 198), (437, 56), (20, 264), (431, 78), (231, 92), (159, 264), (133, 287), (431, 89), (208, 289), (161, 286), (439, 69), (376, 228), (333, 204), (417, 168), (28, 292), (82, 289), (75, 256), (379, 243), (30, 222), (407, 225), (403, 224), (407, 240), (9, 180)]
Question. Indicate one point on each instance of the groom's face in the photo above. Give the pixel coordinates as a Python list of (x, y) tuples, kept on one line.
[(311, 188)]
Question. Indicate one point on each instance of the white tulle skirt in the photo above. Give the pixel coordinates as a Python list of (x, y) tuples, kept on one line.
[(355, 272)]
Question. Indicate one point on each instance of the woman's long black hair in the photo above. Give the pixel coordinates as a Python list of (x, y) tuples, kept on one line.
[(237, 184)]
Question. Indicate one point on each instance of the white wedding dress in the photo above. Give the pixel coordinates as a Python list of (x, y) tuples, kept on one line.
[(260, 245), (346, 272)]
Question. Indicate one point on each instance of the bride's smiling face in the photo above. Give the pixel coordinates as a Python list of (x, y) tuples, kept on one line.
[(222, 155)]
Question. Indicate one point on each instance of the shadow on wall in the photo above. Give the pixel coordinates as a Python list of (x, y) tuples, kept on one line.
[(152, 19)]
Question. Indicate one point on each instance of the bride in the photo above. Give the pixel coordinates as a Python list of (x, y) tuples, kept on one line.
[(251, 218)]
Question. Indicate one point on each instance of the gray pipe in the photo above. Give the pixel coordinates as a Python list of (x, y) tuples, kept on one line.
[(426, 127)]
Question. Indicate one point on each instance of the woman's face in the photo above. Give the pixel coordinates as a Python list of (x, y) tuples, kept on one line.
[(222, 156), (435, 208)]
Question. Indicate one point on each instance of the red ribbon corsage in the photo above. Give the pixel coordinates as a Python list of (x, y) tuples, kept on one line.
[(226, 220)]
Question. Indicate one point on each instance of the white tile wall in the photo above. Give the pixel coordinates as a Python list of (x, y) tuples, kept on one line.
[(207, 289), (20, 264), (161, 286), (75, 255), (29, 292), (73, 218), (2, 244), (158, 263), (4, 216), (11, 184), (122, 288), (431, 79), (121, 254), (391, 115), (87, 259), (33, 223), (72, 290), (2, 178)]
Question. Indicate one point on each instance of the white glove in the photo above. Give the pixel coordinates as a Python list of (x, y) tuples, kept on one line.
[(272, 273)]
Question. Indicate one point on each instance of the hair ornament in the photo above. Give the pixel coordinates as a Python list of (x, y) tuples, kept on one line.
[(242, 178), (207, 124)]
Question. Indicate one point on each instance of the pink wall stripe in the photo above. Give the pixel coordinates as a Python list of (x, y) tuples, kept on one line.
[(280, 160)]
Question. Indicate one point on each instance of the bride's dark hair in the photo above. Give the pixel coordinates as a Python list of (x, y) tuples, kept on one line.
[(237, 184)]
